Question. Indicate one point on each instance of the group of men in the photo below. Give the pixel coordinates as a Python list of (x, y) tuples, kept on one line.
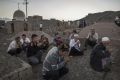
[(33, 48), (54, 64), (100, 55)]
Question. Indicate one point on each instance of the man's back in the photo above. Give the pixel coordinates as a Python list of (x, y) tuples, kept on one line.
[(98, 53), (53, 61)]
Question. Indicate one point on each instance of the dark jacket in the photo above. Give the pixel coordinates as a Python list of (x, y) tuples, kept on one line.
[(99, 53), (32, 49)]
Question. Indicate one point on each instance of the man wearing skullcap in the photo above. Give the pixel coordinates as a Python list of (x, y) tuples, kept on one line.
[(75, 46), (100, 57)]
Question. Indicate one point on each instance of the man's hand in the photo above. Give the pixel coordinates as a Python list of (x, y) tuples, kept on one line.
[(78, 41), (66, 59), (39, 44)]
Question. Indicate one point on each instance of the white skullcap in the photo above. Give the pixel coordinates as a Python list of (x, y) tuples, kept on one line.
[(105, 39), (76, 35)]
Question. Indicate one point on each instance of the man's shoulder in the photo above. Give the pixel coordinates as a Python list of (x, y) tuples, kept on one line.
[(96, 47), (54, 49), (96, 33), (13, 42), (52, 53), (27, 38), (21, 40)]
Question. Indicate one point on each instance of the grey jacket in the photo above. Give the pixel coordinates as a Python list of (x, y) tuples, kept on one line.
[(53, 61)]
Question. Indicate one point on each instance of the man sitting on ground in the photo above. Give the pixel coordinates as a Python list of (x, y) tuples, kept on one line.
[(25, 41), (92, 38), (54, 65), (75, 46), (44, 42), (100, 57), (34, 52), (15, 47)]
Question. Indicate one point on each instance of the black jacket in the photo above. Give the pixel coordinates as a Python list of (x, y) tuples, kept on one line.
[(99, 52), (32, 49)]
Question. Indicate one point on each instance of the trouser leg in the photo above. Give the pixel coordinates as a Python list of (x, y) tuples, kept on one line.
[(39, 55), (63, 71), (36, 59), (52, 75), (90, 43), (12, 52), (93, 43), (15, 51), (33, 60), (25, 47), (75, 52), (56, 75), (18, 50)]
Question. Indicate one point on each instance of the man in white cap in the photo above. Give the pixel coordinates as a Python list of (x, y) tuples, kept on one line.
[(75, 46), (100, 57)]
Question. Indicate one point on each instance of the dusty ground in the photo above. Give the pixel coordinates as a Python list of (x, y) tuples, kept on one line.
[(79, 68), (7, 63)]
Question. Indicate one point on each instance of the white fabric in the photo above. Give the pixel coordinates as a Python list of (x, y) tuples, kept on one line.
[(12, 45), (117, 18), (27, 40), (74, 44), (105, 39), (76, 35)]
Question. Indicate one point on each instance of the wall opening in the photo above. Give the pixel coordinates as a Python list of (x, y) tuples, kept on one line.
[(25, 27), (12, 28)]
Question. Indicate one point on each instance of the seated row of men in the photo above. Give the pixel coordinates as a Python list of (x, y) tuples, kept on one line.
[(91, 40), (54, 65), (34, 47)]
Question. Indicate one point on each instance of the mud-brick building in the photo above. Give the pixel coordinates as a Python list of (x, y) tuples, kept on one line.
[(18, 23)]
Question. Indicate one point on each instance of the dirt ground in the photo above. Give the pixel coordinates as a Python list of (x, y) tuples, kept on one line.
[(7, 63)]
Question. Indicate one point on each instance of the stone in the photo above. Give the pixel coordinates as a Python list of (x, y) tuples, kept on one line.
[(26, 72), (15, 76)]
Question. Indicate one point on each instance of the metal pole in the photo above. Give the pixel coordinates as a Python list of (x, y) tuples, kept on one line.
[(26, 8), (18, 6), (26, 5)]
